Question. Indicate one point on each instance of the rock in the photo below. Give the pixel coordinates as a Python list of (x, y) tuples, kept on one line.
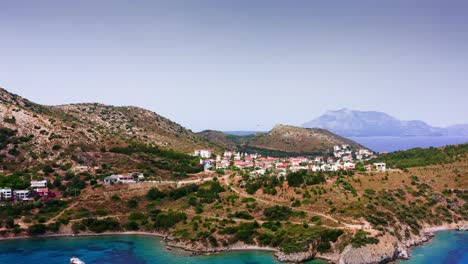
[(295, 257)]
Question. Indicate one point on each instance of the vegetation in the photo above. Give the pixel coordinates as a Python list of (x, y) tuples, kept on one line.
[(422, 157), (360, 239), (277, 213), (296, 179), (166, 159)]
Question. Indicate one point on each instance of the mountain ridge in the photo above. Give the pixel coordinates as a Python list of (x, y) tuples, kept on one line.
[(348, 123)]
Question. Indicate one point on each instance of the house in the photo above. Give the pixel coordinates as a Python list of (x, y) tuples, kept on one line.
[(228, 154), (295, 168), (258, 172), (204, 153), (318, 159), (80, 169), (44, 193), (243, 164), (21, 195), (336, 148), (222, 164), (380, 166), (282, 166), (5, 193), (38, 184), (349, 166), (119, 179), (337, 166), (364, 152), (314, 167), (347, 158)]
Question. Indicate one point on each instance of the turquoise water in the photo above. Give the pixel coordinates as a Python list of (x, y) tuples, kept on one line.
[(115, 250), (447, 247)]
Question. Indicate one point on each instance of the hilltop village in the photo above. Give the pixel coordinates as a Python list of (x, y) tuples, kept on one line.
[(343, 157)]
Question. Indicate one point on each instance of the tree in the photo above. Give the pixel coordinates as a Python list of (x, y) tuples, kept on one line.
[(155, 194)]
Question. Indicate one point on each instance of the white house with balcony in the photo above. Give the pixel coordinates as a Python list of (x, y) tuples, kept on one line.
[(115, 178), (38, 184), (380, 166), (21, 195), (204, 153), (5, 193)]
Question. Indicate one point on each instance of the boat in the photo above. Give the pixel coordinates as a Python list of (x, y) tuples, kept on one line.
[(76, 261)]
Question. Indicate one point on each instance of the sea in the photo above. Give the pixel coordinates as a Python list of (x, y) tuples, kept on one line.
[(389, 144), (450, 247)]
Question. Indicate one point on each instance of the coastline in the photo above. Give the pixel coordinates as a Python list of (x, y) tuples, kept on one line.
[(400, 249)]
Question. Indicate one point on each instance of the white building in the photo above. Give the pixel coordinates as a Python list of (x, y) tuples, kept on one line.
[(380, 166), (349, 166), (21, 195), (38, 184), (5, 193), (204, 153), (119, 179), (364, 152), (80, 169)]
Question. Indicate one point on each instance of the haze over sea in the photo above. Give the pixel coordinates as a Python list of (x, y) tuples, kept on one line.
[(447, 247)]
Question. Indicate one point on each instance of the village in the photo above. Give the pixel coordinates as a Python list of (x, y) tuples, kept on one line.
[(343, 158)]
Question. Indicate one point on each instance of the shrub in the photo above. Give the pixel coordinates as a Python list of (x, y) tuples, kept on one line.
[(280, 213), (37, 229), (360, 239)]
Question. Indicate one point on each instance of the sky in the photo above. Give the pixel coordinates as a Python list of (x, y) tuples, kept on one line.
[(241, 65)]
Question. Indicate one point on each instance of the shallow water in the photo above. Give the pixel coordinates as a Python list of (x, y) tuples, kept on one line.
[(116, 249), (447, 247)]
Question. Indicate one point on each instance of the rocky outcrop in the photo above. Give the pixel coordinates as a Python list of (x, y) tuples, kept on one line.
[(384, 251), (295, 257)]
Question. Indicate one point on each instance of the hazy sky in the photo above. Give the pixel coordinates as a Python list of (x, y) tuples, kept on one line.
[(241, 65)]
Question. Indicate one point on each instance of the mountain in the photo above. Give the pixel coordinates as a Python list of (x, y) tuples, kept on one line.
[(281, 140), (37, 133), (348, 123)]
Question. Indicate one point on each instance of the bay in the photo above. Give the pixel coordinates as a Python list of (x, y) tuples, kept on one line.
[(116, 250)]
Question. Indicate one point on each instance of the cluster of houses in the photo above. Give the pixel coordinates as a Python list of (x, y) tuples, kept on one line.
[(344, 158), (38, 189)]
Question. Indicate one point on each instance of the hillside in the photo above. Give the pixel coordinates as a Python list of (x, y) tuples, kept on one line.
[(281, 140), (299, 140), (346, 122), (35, 133), (418, 157), (344, 217)]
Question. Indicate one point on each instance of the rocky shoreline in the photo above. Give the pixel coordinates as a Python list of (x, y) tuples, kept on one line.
[(387, 250)]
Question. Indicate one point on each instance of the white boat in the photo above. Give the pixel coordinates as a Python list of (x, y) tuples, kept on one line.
[(76, 261)]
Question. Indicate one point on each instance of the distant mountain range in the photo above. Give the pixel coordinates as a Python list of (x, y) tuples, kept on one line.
[(352, 123)]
